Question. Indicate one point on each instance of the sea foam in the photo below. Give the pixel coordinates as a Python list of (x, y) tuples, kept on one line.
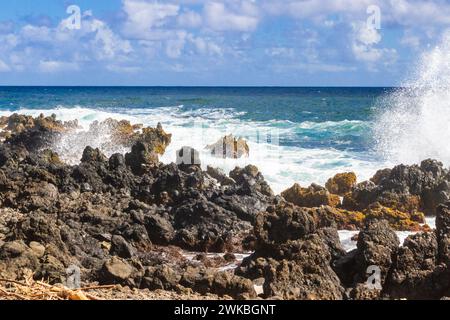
[(281, 165)]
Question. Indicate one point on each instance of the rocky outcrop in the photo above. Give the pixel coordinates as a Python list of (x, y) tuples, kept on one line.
[(313, 196), (117, 217), (126, 218), (293, 255), (229, 147), (126, 134), (342, 183), (404, 188)]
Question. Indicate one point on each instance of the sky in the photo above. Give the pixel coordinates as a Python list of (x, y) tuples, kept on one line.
[(217, 42)]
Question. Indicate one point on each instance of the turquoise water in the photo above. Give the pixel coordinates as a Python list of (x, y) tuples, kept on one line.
[(296, 134)]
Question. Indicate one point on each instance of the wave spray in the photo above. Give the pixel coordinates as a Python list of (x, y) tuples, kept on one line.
[(415, 123)]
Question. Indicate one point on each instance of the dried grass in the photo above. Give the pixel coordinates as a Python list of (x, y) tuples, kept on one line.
[(29, 289)]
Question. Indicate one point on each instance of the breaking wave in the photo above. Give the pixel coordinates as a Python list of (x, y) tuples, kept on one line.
[(416, 122)]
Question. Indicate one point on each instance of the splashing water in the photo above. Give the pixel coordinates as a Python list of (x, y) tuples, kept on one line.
[(416, 124)]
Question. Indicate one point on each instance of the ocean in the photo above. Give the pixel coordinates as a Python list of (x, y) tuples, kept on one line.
[(301, 135)]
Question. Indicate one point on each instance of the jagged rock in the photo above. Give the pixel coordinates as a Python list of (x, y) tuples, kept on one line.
[(376, 249), (120, 247), (93, 155), (443, 232), (314, 196), (404, 188), (222, 283), (251, 180), (413, 273), (141, 158), (220, 176), (159, 229), (293, 255), (377, 244), (342, 183), (229, 147), (398, 220)]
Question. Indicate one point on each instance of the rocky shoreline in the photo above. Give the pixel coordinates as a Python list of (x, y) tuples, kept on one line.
[(128, 219)]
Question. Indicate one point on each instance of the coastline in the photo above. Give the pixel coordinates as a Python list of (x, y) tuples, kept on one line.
[(118, 218)]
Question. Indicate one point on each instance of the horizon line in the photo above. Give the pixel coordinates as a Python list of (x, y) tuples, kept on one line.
[(184, 86)]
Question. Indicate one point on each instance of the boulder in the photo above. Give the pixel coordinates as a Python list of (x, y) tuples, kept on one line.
[(116, 270), (413, 273), (342, 183), (294, 255), (220, 176), (314, 196), (141, 158)]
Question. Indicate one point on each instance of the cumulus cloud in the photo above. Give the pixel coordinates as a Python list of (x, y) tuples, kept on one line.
[(221, 18), (186, 35), (364, 45), (143, 16)]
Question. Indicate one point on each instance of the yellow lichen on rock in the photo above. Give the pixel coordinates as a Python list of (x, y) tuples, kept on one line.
[(313, 196), (341, 183)]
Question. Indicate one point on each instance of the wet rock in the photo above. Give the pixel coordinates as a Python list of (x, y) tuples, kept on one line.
[(93, 155), (229, 147)]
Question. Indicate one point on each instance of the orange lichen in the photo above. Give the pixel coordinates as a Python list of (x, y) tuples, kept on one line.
[(341, 183), (314, 196)]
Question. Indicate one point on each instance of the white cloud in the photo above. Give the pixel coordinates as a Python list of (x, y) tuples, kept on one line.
[(143, 16), (221, 18), (174, 47), (109, 43), (205, 46), (4, 67), (364, 46)]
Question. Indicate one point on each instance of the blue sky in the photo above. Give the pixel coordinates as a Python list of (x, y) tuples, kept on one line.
[(202, 42)]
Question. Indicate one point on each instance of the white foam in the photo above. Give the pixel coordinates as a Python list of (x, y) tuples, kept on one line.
[(282, 166), (415, 125), (348, 244)]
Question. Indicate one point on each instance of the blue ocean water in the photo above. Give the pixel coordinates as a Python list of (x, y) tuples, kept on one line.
[(296, 134)]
